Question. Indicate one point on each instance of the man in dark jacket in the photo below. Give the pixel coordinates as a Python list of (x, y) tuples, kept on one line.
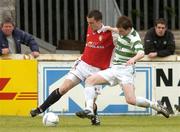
[(159, 41), (11, 39)]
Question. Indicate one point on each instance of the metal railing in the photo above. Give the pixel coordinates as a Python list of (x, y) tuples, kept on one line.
[(54, 20), (144, 12)]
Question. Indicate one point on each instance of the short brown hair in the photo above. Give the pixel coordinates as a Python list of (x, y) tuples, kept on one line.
[(124, 22), (7, 20), (160, 21), (96, 14)]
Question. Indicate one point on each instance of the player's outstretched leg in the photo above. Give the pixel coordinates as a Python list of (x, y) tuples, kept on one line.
[(95, 120), (143, 102)]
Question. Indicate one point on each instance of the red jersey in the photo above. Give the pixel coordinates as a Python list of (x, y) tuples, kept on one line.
[(99, 48)]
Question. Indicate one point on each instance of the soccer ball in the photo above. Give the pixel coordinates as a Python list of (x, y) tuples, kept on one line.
[(50, 119)]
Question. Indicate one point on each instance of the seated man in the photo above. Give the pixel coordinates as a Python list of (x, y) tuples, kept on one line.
[(11, 39), (159, 41)]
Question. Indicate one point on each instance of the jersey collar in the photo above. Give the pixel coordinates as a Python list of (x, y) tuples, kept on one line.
[(101, 29)]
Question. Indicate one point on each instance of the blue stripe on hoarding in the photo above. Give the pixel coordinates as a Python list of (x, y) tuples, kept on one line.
[(116, 109), (73, 106)]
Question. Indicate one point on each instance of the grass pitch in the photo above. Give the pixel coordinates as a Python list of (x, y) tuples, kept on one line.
[(108, 124)]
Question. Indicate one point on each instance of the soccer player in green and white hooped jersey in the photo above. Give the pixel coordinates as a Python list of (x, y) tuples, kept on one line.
[(128, 51), (127, 47)]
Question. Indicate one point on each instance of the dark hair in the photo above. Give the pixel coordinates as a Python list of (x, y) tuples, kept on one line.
[(160, 21), (96, 14), (124, 22), (7, 20)]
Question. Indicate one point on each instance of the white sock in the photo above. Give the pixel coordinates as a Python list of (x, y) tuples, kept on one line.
[(155, 106), (143, 102), (89, 93)]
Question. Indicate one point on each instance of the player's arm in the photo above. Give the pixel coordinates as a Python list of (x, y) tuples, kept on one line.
[(115, 32), (138, 49), (137, 57), (112, 29)]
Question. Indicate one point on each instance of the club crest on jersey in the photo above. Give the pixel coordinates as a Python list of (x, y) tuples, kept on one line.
[(100, 38)]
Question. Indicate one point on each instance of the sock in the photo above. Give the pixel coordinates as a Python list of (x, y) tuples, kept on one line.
[(143, 102), (95, 109), (89, 93), (155, 106), (51, 99)]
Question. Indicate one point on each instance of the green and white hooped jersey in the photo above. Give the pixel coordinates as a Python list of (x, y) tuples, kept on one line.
[(127, 47)]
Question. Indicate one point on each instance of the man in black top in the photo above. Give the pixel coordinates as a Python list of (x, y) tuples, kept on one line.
[(159, 41)]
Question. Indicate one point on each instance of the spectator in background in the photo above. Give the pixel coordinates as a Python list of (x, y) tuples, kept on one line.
[(11, 39), (159, 41)]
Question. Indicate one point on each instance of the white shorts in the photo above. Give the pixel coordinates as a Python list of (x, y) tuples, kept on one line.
[(119, 74), (81, 70)]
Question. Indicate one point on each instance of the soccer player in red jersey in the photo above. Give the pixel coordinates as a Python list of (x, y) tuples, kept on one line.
[(97, 56)]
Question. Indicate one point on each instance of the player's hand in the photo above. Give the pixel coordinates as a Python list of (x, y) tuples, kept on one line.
[(5, 51), (106, 28), (35, 54), (130, 62)]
